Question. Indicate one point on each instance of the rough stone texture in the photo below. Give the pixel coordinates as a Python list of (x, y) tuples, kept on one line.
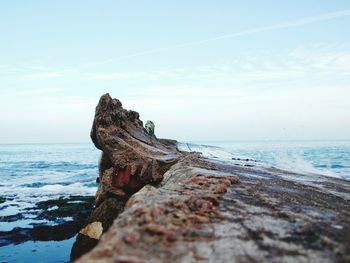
[(209, 211), (158, 224), (207, 215), (132, 157), (93, 230)]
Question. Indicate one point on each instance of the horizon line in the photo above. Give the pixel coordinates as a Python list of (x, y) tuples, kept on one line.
[(192, 141)]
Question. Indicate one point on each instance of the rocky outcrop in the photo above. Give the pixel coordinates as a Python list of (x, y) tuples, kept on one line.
[(132, 157), (187, 208)]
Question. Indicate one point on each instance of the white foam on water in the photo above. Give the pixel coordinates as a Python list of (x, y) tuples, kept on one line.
[(296, 163), (24, 194), (27, 197), (52, 208), (71, 189), (207, 151), (289, 161), (217, 154)]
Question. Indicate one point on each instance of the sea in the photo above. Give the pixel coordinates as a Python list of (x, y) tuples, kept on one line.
[(30, 173)]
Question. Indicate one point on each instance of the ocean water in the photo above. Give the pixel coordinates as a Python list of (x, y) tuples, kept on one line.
[(329, 158), (30, 173)]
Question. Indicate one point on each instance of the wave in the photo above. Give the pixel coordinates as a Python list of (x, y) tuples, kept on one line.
[(71, 189), (296, 162), (207, 151), (23, 196), (286, 160), (43, 165), (54, 165)]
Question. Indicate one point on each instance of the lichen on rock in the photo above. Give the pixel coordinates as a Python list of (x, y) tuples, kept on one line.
[(150, 128)]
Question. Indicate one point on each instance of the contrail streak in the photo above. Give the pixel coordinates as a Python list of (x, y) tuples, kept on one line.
[(289, 24)]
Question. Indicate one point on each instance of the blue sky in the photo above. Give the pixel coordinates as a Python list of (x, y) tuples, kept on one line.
[(201, 70)]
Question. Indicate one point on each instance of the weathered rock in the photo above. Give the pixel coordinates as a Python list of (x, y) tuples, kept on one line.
[(87, 239), (208, 211), (198, 214), (132, 157), (180, 211), (93, 230)]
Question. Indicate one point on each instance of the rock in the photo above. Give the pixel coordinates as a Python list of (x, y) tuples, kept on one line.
[(92, 230), (186, 208), (87, 239), (77, 207), (178, 211), (82, 245), (150, 128), (198, 214), (132, 157)]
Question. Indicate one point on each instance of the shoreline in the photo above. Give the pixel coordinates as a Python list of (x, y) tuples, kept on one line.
[(269, 180), (181, 199)]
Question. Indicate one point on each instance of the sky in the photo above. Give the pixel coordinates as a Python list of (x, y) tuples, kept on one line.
[(200, 70)]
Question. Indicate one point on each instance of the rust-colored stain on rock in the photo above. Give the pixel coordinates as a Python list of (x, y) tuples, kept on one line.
[(122, 176)]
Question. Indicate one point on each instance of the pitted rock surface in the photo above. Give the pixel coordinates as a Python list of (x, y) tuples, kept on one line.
[(131, 158), (157, 204)]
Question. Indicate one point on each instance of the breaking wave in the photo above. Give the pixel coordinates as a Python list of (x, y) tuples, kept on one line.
[(297, 163), (323, 158)]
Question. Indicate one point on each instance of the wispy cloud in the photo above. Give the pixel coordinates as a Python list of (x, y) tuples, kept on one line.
[(299, 64), (153, 75), (110, 76), (36, 73), (35, 92), (284, 25), (44, 75)]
